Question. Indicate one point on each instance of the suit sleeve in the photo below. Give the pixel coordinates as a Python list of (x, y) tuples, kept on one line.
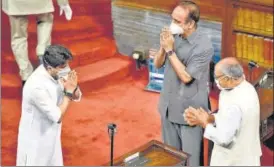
[(199, 63), (44, 103)]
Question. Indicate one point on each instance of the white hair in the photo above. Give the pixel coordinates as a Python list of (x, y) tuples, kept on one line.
[(234, 71)]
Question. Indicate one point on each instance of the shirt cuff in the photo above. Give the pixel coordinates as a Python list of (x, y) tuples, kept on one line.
[(209, 131)]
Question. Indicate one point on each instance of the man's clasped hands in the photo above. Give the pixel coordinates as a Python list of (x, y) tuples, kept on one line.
[(197, 117)]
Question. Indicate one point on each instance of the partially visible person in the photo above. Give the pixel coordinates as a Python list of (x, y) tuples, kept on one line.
[(46, 98), (18, 12), (186, 53), (235, 128)]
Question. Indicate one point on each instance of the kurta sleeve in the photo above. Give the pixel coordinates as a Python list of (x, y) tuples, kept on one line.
[(225, 130), (199, 63), (44, 103), (62, 2)]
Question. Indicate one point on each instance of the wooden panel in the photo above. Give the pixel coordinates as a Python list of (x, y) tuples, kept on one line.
[(228, 37), (249, 5), (231, 12), (157, 5), (259, 2), (153, 153), (210, 9)]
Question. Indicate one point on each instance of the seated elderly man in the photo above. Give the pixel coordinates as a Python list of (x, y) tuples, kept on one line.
[(235, 128)]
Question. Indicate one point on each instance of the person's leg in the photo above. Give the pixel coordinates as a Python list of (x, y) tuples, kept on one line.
[(57, 158), (44, 29), (19, 45), (170, 133), (191, 143), (202, 150)]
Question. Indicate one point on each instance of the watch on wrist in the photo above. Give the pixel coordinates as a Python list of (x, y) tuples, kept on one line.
[(68, 94), (169, 53), (76, 89)]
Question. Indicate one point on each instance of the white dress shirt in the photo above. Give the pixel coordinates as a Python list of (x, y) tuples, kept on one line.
[(223, 132)]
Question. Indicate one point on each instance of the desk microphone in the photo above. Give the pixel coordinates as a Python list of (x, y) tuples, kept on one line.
[(252, 64)]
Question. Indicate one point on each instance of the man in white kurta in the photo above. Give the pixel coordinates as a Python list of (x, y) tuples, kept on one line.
[(235, 128), (18, 12), (39, 138)]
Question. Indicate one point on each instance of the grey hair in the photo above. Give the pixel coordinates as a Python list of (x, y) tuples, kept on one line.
[(234, 71)]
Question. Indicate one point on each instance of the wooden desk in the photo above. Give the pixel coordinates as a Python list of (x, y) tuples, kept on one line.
[(154, 153)]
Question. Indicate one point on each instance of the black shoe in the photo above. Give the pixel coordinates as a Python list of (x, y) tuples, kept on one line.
[(23, 83)]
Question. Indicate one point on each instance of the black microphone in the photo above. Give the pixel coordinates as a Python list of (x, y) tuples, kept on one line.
[(111, 129), (253, 64)]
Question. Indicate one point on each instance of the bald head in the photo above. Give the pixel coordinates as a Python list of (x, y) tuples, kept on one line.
[(230, 67), (227, 61)]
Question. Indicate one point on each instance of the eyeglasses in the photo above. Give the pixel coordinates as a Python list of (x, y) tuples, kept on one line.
[(217, 77), (222, 76)]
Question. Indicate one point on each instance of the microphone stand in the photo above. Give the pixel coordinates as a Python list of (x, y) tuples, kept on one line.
[(111, 132)]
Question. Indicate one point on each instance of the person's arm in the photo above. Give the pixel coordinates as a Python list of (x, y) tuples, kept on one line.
[(65, 7), (179, 68), (194, 69), (159, 58), (44, 103), (225, 130), (63, 107), (62, 2)]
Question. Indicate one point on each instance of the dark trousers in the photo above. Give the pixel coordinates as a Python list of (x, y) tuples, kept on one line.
[(183, 137)]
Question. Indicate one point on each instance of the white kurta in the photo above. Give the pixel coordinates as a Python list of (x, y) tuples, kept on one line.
[(39, 138), (245, 149), (29, 7)]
